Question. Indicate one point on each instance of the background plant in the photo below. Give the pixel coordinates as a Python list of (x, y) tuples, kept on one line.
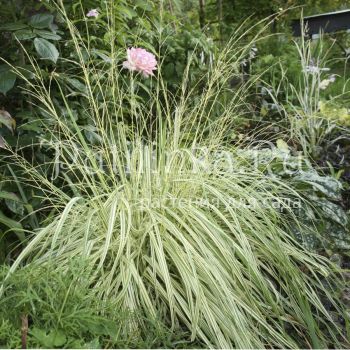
[(35, 31)]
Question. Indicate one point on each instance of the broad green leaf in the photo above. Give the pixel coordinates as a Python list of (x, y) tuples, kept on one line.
[(99, 326), (7, 81), (51, 340), (9, 222), (41, 336), (27, 71), (93, 344), (9, 195), (75, 83), (103, 56), (310, 241), (338, 234), (46, 50), (41, 20), (16, 206), (92, 136), (32, 126), (128, 12), (12, 224), (47, 34), (144, 5), (13, 26), (58, 338), (7, 120), (327, 185), (333, 211), (24, 34)]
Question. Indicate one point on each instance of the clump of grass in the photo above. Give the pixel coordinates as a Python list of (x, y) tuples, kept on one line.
[(165, 226)]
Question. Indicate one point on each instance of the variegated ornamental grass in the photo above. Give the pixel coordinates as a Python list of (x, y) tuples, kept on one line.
[(229, 273), (163, 234)]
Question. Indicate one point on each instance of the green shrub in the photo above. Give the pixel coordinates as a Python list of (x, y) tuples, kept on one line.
[(62, 312)]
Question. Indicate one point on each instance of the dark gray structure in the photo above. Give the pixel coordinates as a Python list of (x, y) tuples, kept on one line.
[(326, 22)]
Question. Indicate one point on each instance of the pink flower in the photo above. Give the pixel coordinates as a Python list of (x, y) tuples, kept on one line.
[(140, 60), (92, 13)]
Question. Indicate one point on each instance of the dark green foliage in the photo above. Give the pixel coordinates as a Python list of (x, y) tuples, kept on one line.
[(62, 312), (317, 202), (35, 32)]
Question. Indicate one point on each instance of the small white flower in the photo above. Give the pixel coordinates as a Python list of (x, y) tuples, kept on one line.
[(92, 13), (325, 82), (313, 69), (332, 78)]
